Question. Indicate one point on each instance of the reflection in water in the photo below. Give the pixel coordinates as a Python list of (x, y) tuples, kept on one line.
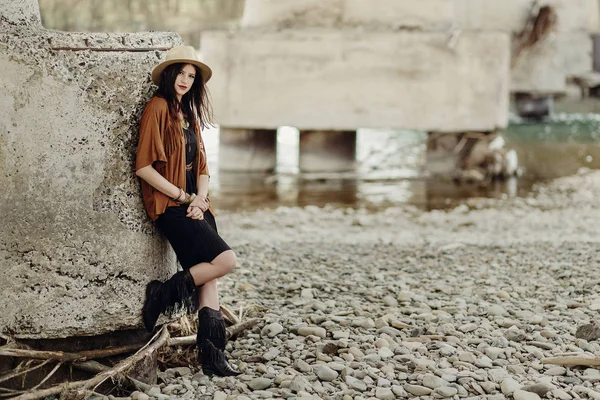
[(390, 169)]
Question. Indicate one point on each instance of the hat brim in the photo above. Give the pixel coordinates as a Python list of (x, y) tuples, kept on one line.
[(158, 70)]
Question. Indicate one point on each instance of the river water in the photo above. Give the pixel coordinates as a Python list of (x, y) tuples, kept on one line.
[(390, 169)]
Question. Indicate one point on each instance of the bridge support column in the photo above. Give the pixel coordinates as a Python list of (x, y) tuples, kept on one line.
[(247, 150), (533, 106), (327, 151), (470, 156)]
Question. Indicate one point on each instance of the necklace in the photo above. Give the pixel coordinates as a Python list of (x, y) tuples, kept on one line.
[(184, 123), (183, 120)]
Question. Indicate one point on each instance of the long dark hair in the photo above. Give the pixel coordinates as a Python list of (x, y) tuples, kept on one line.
[(195, 104)]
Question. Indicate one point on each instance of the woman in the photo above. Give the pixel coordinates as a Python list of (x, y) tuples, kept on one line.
[(171, 162)]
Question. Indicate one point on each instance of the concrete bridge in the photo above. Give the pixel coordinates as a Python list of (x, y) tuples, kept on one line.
[(441, 66)]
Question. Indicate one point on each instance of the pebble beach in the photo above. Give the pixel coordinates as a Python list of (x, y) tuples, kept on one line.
[(467, 303)]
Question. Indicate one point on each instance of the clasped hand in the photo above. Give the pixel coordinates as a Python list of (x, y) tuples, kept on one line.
[(197, 208)]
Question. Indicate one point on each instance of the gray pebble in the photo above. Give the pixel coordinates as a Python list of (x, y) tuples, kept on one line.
[(417, 390), (259, 383), (325, 373)]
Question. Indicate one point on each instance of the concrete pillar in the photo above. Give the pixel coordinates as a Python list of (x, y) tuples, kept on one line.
[(77, 247), (21, 13), (327, 151), (596, 51), (247, 150), (532, 106)]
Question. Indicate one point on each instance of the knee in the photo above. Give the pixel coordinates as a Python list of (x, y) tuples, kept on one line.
[(227, 261), (231, 262)]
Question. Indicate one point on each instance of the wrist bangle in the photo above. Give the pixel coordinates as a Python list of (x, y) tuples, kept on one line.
[(188, 199), (176, 199)]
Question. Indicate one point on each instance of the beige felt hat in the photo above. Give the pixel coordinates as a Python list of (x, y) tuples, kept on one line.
[(181, 54)]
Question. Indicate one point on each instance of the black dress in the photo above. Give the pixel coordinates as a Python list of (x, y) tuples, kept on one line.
[(194, 241)]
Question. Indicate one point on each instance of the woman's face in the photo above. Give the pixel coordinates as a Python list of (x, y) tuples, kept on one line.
[(184, 80)]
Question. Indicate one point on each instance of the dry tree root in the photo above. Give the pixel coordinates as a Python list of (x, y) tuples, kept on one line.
[(82, 389), (232, 331), (180, 350), (161, 343), (62, 356), (21, 371), (229, 316)]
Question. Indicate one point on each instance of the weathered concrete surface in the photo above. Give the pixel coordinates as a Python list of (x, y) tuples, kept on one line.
[(505, 16), (20, 12), (76, 247), (545, 67), (374, 14), (340, 80), (512, 15)]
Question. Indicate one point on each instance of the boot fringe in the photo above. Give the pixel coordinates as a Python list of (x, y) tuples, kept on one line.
[(183, 294), (211, 326)]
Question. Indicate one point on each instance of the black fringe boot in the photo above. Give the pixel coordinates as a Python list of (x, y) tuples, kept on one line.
[(165, 297), (211, 341)]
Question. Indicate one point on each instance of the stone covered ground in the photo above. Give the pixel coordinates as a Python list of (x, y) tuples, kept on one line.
[(465, 303)]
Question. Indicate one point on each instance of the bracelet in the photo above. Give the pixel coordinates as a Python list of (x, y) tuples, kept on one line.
[(188, 199), (176, 199)]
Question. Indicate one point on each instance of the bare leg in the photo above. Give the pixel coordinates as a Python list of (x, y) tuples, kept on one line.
[(209, 295), (220, 266)]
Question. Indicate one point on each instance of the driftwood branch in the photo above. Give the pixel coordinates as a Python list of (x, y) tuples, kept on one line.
[(18, 372), (62, 356), (229, 316), (96, 367), (235, 330), (82, 387), (9, 392), (231, 331), (573, 360), (82, 361)]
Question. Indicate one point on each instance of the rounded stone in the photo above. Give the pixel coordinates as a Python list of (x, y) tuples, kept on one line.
[(384, 393), (445, 391), (312, 330), (272, 330), (509, 385), (325, 373), (417, 390), (524, 395), (432, 381), (259, 383)]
